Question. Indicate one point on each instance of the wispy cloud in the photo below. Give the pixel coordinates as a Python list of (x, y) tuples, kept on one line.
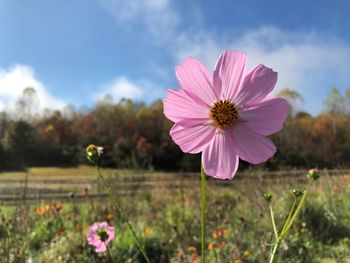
[(295, 55), (121, 87), (14, 80), (308, 61), (157, 17)]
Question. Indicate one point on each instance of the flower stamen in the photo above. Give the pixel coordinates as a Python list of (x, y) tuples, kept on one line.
[(103, 235), (224, 114)]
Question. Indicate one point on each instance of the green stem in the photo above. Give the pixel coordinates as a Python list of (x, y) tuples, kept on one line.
[(103, 179), (121, 211), (273, 222), (289, 221), (204, 204), (302, 201), (274, 251), (289, 215), (110, 253)]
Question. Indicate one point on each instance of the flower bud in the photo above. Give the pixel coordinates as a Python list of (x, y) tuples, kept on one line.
[(267, 197), (313, 174), (297, 193), (93, 153)]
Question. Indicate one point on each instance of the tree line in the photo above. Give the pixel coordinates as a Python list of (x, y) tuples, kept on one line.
[(136, 135)]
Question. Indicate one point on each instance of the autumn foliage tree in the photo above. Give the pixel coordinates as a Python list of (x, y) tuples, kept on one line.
[(136, 135)]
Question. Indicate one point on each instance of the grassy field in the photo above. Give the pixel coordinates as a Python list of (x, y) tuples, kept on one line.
[(165, 210)]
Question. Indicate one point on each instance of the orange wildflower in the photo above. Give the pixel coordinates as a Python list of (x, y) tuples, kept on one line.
[(109, 216), (149, 230), (39, 211), (220, 232)]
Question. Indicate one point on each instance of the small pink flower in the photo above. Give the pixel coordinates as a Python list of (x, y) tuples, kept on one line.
[(99, 150), (99, 235), (227, 115)]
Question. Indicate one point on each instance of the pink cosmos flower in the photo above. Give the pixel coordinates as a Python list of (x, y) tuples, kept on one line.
[(227, 115), (99, 235)]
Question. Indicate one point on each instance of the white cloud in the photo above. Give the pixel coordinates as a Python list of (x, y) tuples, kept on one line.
[(14, 80), (122, 87), (308, 61), (305, 61), (156, 16)]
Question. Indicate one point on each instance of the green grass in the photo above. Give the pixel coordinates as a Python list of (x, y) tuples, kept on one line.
[(239, 227)]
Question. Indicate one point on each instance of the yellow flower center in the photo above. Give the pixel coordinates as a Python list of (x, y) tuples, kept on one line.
[(224, 114)]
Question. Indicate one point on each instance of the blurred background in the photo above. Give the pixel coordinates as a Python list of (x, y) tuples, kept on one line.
[(96, 71)]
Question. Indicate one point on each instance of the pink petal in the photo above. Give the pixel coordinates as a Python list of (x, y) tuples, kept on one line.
[(101, 248), (219, 159), (94, 226), (178, 106), (252, 147), (228, 73), (266, 118), (110, 232), (96, 242), (103, 224), (192, 139), (195, 122), (194, 77), (256, 86), (92, 239)]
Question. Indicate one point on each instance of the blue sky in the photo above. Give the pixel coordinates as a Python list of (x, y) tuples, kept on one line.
[(76, 52)]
